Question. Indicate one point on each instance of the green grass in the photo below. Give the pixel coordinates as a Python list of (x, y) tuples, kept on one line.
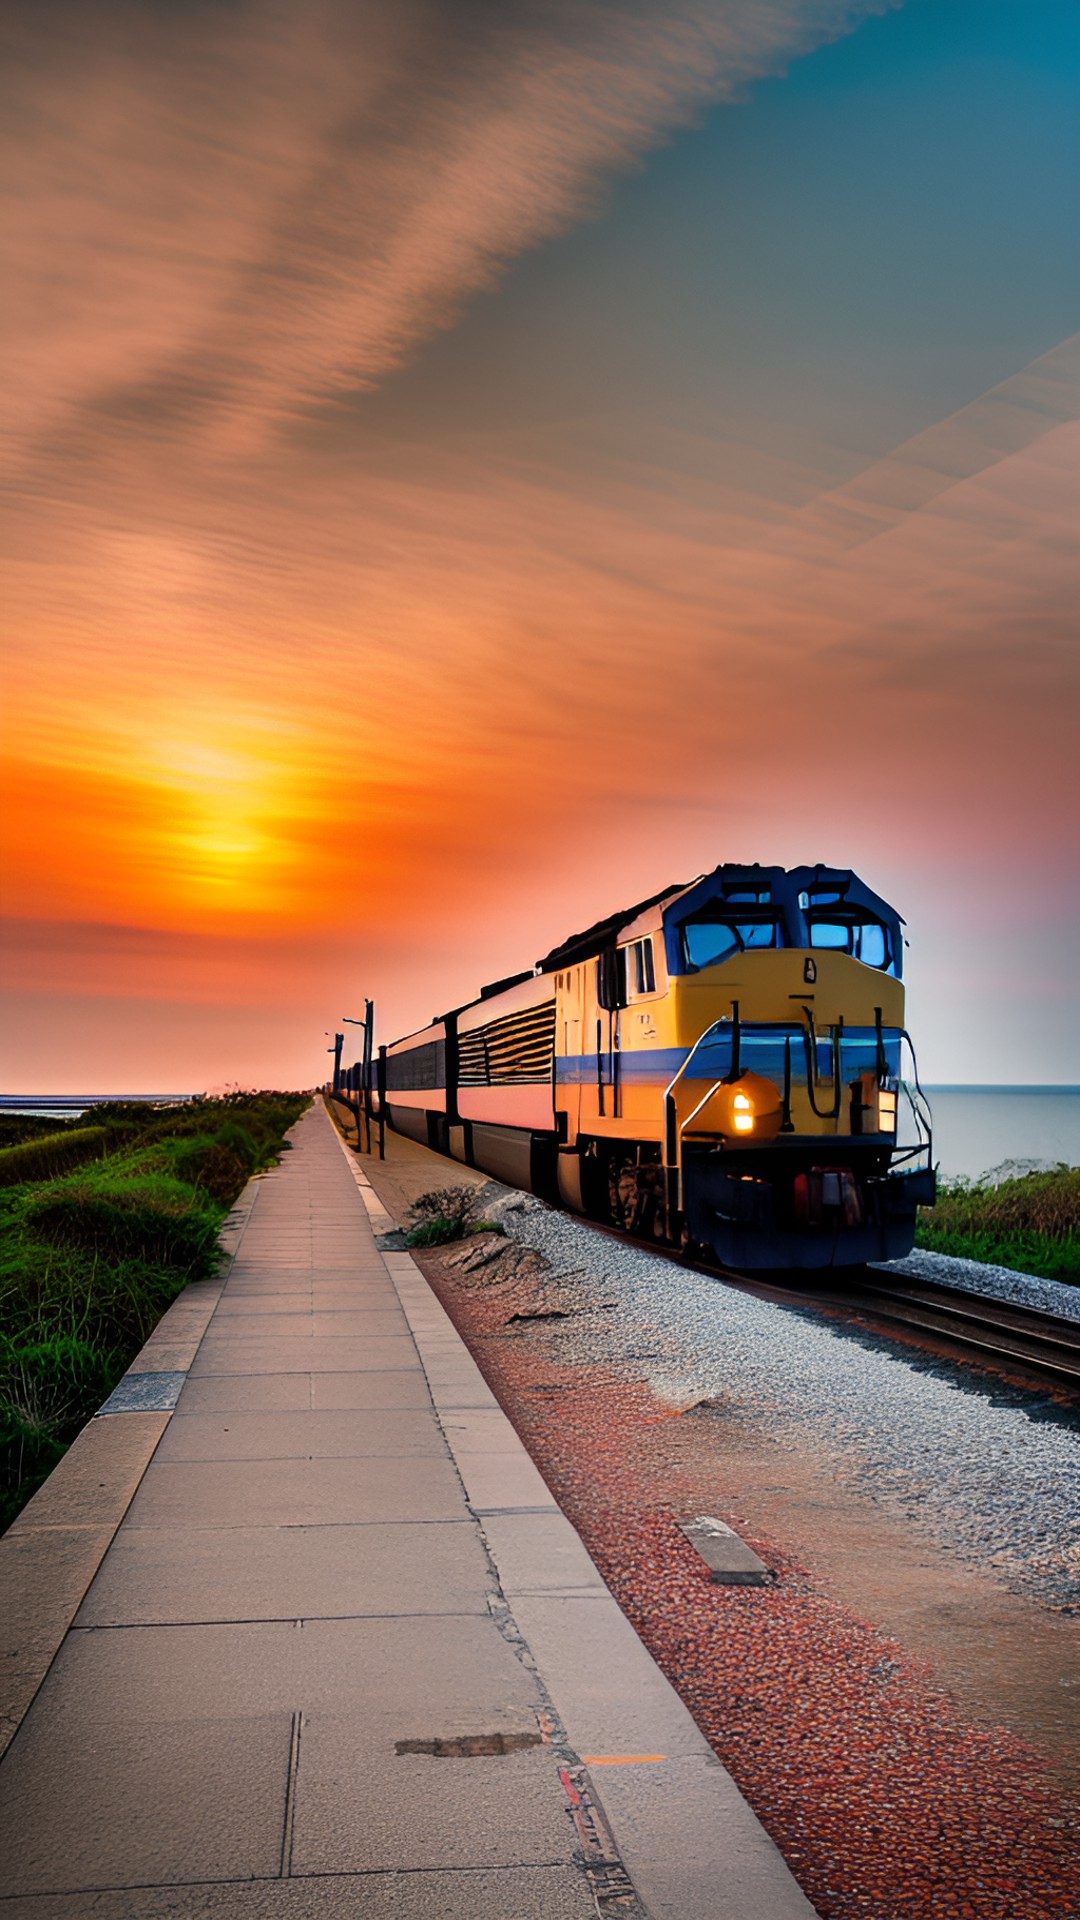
[(54, 1153), (97, 1244), (445, 1215), (1032, 1224)]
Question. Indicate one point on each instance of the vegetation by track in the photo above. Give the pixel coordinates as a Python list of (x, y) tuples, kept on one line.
[(103, 1221), (1031, 1223)]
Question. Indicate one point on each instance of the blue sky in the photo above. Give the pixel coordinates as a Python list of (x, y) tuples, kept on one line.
[(857, 248)]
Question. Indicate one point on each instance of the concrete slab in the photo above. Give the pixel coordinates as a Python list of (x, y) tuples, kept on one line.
[(353, 1818), (689, 1847), (288, 1573), (387, 1388), (404, 1678), (347, 1323), (294, 1493), (455, 1382), (481, 1430), (323, 1355), (505, 1482), (538, 1553), (332, 1434), (97, 1477), (611, 1696), (97, 1821), (260, 1392), (729, 1560), (44, 1573), (322, 1297)]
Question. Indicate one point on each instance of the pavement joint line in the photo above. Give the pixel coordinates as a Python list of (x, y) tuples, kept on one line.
[(307, 1873), (272, 1620), (289, 1823)]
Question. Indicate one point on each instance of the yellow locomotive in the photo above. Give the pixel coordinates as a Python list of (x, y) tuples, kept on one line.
[(723, 1066)]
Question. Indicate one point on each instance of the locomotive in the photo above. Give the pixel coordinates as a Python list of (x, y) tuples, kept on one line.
[(723, 1066)]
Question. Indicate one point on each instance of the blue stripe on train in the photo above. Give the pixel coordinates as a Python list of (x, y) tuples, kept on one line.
[(652, 1066), (761, 1052)]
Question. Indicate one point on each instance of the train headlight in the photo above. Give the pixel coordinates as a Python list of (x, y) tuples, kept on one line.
[(745, 1112)]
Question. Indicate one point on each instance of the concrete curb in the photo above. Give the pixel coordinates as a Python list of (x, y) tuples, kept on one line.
[(50, 1554), (689, 1841)]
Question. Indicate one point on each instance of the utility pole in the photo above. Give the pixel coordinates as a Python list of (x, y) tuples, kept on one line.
[(362, 1073), (369, 1039), (339, 1042), (365, 1103)]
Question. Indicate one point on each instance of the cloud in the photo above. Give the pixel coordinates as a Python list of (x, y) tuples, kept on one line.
[(222, 214), (1003, 421)]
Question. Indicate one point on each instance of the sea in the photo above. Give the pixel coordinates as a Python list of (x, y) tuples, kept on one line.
[(977, 1130), (1003, 1131)]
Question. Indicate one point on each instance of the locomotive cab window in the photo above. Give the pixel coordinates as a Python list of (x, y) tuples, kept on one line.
[(707, 942), (642, 967), (864, 939)]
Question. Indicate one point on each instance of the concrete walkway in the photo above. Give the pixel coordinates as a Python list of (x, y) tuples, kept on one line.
[(344, 1654)]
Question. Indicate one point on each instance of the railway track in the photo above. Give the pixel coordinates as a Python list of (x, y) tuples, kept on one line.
[(1003, 1335), (1008, 1337)]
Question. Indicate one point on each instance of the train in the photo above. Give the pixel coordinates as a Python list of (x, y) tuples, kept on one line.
[(722, 1067)]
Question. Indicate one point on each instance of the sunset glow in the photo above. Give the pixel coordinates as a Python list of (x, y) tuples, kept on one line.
[(430, 531)]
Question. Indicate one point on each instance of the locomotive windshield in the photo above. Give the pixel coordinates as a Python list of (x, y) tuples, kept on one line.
[(859, 935), (707, 941), (775, 1049)]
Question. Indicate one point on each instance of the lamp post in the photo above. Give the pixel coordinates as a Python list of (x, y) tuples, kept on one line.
[(364, 1090), (339, 1042)]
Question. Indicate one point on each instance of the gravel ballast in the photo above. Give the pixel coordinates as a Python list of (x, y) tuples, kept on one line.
[(993, 1283), (990, 1471)]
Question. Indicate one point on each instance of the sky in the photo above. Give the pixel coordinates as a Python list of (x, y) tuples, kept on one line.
[(469, 464)]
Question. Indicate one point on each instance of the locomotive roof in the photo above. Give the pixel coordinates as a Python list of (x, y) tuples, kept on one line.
[(580, 945)]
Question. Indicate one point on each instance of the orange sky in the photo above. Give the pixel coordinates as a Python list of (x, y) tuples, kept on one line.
[(303, 705)]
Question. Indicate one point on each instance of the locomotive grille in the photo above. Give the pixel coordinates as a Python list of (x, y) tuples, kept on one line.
[(519, 1047)]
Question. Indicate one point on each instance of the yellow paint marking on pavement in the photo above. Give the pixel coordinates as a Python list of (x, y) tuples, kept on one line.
[(619, 1759)]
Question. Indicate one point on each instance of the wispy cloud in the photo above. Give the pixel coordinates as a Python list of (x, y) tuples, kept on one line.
[(1003, 421), (224, 213)]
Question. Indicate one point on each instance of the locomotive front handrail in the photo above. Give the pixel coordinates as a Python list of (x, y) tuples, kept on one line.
[(672, 1129)]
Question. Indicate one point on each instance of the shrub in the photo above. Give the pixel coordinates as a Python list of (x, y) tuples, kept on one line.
[(445, 1215), (145, 1220), (436, 1232), (220, 1163), (53, 1154), (17, 1127), (47, 1386), (1031, 1223)]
